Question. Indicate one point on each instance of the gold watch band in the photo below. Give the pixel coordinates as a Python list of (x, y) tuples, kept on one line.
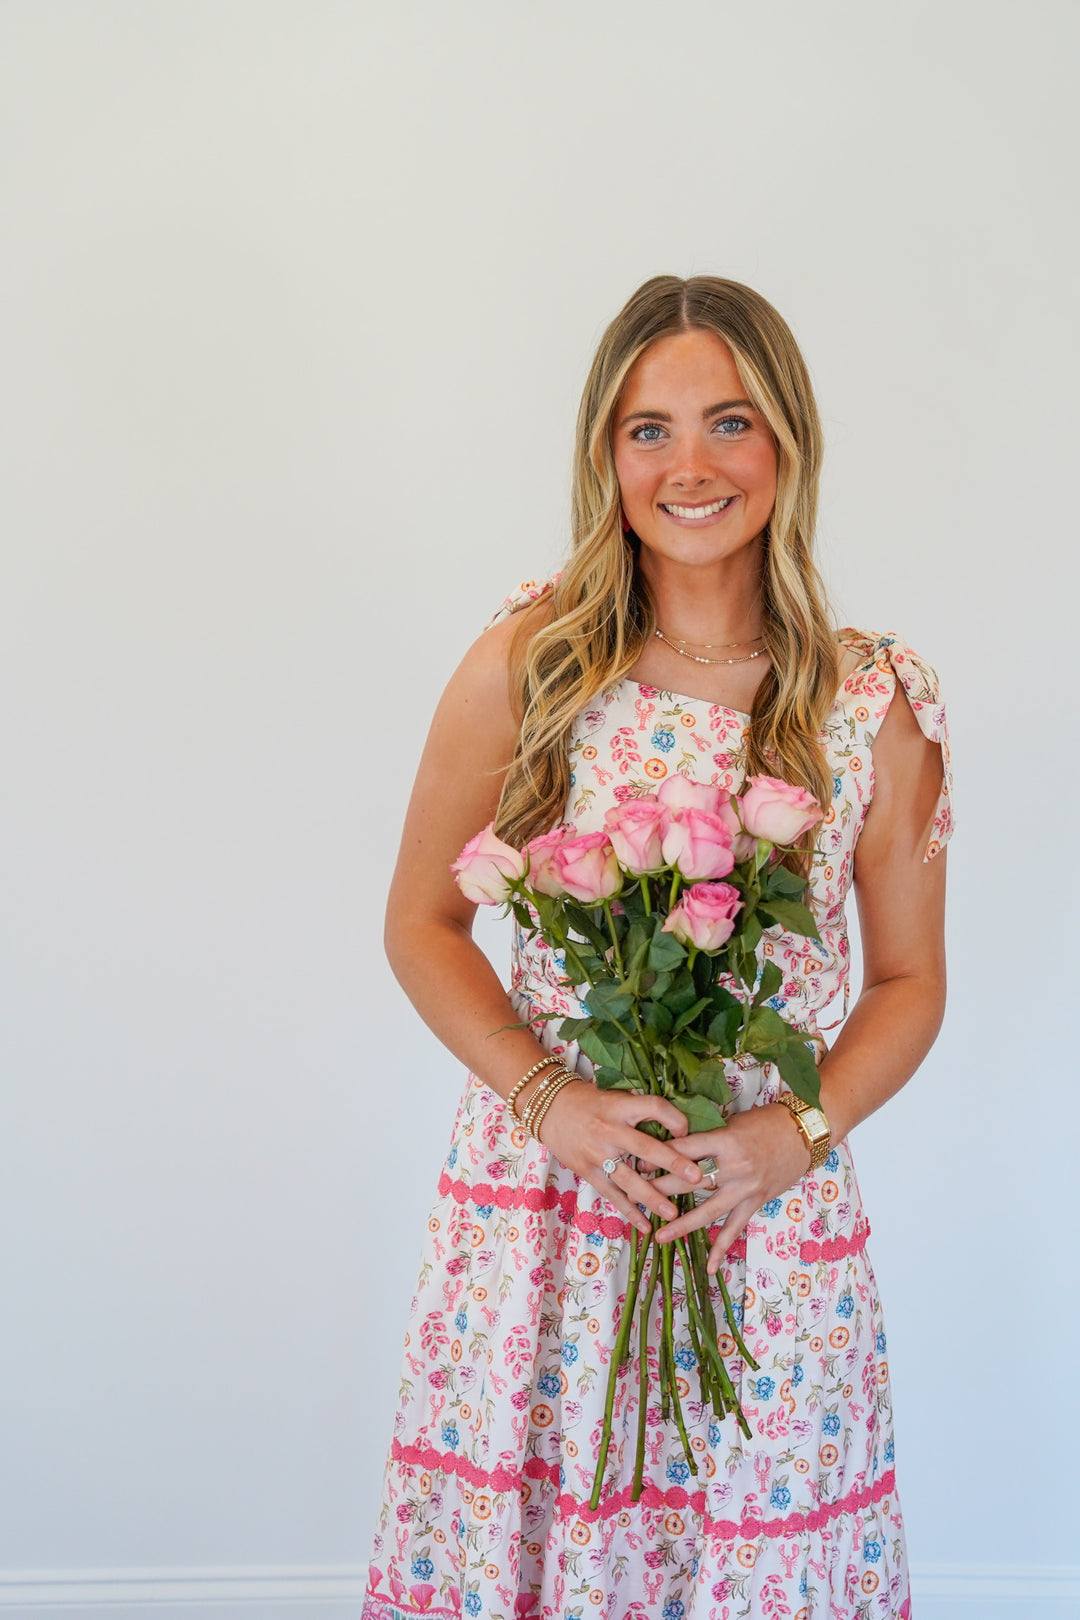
[(814, 1129)]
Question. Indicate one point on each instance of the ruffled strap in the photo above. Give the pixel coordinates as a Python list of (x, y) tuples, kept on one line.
[(887, 659), (528, 591)]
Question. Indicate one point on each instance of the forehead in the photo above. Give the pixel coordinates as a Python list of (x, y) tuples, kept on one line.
[(685, 364)]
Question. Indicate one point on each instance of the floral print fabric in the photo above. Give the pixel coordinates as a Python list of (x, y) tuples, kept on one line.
[(485, 1499)]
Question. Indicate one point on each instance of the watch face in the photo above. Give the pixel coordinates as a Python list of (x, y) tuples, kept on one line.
[(816, 1122)]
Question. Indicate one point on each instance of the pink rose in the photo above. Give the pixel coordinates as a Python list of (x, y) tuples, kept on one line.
[(541, 852), (743, 845), (482, 868), (698, 843), (677, 792), (634, 829), (776, 810), (587, 868), (705, 915)]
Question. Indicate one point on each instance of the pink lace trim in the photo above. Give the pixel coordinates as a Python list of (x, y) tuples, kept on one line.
[(568, 1507), (484, 1195)]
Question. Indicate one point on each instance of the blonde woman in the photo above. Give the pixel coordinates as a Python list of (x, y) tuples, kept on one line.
[(687, 632)]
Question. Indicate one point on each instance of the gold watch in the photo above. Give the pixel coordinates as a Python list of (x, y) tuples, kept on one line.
[(813, 1125)]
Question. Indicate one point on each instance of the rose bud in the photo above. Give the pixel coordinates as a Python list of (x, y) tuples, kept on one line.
[(705, 915), (698, 843), (482, 868), (587, 868), (541, 851), (776, 810), (677, 792), (634, 829)]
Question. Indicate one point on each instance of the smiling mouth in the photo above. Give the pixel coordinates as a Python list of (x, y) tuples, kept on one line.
[(709, 510)]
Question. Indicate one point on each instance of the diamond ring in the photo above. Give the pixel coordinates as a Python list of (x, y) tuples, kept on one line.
[(709, 1167), (609, 1165)]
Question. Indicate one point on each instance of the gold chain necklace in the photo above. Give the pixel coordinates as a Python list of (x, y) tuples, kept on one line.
[(698, 660)]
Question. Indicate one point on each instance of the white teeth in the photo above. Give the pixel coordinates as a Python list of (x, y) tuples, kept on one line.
[(699, 511)]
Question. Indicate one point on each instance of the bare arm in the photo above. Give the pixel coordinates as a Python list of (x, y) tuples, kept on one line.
[(895, 1021), (445, 974)]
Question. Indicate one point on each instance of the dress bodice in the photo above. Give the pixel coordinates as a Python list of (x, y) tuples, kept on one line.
[(632, 736)]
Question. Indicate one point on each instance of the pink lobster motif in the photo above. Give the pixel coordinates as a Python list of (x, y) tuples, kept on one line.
[(644, 710)]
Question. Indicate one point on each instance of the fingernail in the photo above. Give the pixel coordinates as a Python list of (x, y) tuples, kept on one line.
[(670, 1212)]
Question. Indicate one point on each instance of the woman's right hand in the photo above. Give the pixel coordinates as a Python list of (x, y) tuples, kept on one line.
[(584, 1126)]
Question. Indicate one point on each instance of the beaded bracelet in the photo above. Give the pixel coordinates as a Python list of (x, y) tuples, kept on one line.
[(543, 1063), (542, 1090), (568, 1077)]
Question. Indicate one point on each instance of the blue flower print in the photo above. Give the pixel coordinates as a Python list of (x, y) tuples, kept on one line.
[(715, 1434), (771, 1209), (422, 1569), (673, 1610), (569, 1354), (797, 1373), (484, 1210), (845, 1305), (879, 1344), (472, 1604), (678, 1472), (596, 1239), (685, 1358), (781, 1497), (461, 1321), (737, 1311), (764, 1387), (450, 1437), (451, 1158), (832, 1163), (890, 1451), (549, 1384), (871, 1551), (803, 1584), (664, 740), (830, 1423)]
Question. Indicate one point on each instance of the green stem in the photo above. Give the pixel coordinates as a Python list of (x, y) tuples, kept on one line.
[(643, 1376), (645, 895), (675, 879), (638, 1246), (733, 1325), (613, 931), (667, 1269)]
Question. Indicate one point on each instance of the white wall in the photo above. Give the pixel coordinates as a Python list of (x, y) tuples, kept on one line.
[(297, 302)]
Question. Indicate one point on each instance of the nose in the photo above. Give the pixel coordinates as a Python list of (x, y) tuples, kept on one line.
[(693, 468)]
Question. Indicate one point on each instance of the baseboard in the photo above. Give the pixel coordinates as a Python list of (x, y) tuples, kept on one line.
[(308, 1591)]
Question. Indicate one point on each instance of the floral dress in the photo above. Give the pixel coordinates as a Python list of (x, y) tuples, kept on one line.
[(485, 1497)]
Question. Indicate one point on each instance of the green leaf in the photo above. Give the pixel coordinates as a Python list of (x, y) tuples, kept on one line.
[(571, 1028), (581, 922), (702, 1114), (782, 880), (711, 1081), (609, 1000), (687, 1017), (750, 934), (610, 1079), (791, 915), (722, 999), (796, 1063), (666, 952), (521, 912), (689, 1064), (771, 980), (656, 1016), (660, 985), (724, 1029), (766, 1026), (598, 1051)]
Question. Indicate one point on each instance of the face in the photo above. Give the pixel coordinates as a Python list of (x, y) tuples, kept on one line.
[(696, 462)]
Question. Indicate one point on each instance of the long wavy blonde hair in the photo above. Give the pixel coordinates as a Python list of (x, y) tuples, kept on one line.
[(601, 611)]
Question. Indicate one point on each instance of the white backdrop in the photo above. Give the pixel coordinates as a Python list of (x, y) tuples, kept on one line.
[(297, 299)]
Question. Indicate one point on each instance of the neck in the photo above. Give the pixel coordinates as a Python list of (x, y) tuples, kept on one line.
[(716, 602)]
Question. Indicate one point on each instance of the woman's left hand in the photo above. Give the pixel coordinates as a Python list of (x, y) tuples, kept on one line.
[(759, 1154)]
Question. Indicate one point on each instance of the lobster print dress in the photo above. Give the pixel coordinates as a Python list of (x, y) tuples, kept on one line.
[(485, 1496)]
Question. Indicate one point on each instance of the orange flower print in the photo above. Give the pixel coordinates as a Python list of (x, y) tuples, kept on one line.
[(655, 768), (829, 1455), (862, 713), (674, 1525), (687, 719), (482, 1507), (542, 1417), (746, 1555), (588, 1263), (580, 1535), (588, 752), (817, 1345), (839, 1337), (870, 1582)]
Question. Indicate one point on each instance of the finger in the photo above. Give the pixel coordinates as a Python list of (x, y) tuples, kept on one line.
[(672, 1184), (730, 1230), (614, 1195), (706, 1213), (663, 1155), (644, 1192), (659, 1109)]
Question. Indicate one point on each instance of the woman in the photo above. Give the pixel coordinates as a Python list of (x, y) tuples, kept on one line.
[(688, 632)]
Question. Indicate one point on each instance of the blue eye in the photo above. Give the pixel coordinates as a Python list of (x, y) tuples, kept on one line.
[(739, 421), (646, 427)]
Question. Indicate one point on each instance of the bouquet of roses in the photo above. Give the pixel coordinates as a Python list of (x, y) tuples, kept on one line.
[(658, 918)]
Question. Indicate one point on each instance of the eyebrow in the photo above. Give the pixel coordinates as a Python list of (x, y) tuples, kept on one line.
[(710, 410)]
